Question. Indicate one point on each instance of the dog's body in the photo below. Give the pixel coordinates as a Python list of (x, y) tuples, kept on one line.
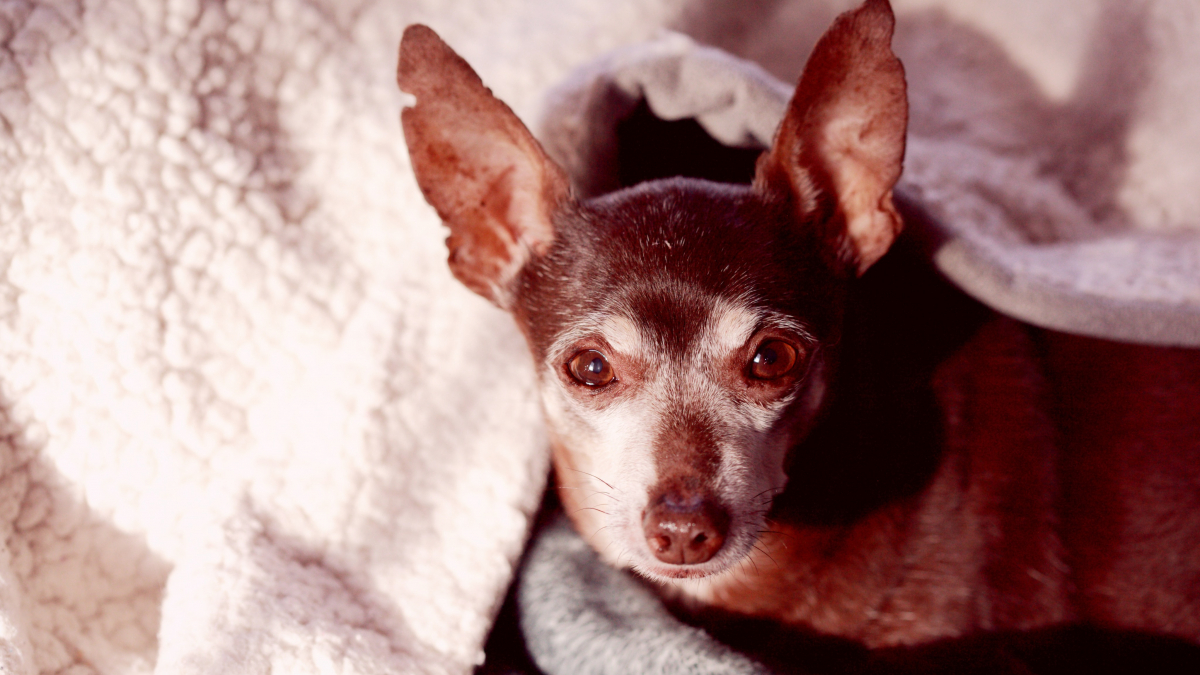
[(701, 347)]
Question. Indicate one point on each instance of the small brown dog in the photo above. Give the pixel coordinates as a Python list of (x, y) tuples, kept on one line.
[(751, 422)]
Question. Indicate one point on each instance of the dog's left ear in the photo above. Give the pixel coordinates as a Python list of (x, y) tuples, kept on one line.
[(477, 164), (839, 150)]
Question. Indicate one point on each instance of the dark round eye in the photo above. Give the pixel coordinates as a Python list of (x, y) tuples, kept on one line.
[(591, 368), (774, 359)]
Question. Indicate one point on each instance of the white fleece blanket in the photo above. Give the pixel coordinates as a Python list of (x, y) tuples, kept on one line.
[(249, 422)]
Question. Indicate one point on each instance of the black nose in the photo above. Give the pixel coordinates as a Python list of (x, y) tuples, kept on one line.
[(685, 528)]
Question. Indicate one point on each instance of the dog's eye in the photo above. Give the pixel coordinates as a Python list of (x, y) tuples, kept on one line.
[(591, 368), (774, 359)]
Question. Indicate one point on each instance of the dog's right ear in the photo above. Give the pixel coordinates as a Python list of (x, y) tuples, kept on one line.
[(478, 165), (839, 150)]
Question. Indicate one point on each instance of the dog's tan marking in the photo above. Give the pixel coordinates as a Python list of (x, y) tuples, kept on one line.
[(624, 335), (730, 326)]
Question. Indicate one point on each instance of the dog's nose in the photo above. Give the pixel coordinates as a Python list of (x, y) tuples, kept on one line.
[(685, 529)]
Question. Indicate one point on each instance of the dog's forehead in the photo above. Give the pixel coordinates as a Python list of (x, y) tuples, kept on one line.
[(670, 246), (671, 264), (679, 318), (668, 312), (672, 318)]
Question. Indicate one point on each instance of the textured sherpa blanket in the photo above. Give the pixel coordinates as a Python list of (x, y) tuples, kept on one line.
[(250, 423)]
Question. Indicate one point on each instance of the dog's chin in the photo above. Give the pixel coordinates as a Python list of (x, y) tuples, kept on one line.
[(668, 573)]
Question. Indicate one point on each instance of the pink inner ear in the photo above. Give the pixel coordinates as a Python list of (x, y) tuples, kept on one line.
[(843, 136), (522, 198), (492, 241), (478, 165), (864, 159)]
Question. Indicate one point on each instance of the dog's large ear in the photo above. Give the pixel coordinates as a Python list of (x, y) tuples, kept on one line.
[(478, 165), (839, 149)]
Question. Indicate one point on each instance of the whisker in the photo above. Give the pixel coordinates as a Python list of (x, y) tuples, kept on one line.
[(742, 577), (610, 542), (611, 499), (782, 534), (576, 487), (589, 508), (776, 490), (597, 478), (764, 552)]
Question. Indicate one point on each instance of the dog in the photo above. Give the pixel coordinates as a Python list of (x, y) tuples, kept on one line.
[(755, 407)]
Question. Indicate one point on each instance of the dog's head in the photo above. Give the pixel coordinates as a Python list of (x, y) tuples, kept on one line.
[(684, 331)]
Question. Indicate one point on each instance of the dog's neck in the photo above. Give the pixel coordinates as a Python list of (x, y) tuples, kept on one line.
[(878, 439)]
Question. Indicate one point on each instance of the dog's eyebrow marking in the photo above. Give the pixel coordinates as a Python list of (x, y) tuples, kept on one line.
[(730, 325), (618, 330), (733, 322), (621, 332)]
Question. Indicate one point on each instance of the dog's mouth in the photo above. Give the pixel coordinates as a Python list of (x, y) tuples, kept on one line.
[(680, 572)]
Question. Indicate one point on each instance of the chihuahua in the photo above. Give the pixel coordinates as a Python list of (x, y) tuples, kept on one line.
[(743, 415)]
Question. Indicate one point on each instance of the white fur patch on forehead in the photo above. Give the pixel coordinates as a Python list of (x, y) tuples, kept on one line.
[(623, 334), (730, 325), (618, 330), (585, 328), (733, 322), (618, 324)]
